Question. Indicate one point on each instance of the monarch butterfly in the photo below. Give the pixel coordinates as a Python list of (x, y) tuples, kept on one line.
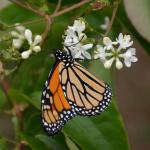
[(69, 91)]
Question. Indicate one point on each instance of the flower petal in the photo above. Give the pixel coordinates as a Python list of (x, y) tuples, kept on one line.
[(37, 39), (86, 55), (132, 50), (106, 23), (20, 28), (96, 56), (36, 49), (120, 37), (28, 36), (119, 64), (127, 63), (124, 41), (87, 46), (78, 55), (107, 41), (17, 43), (100, 49), (108, 63), (134, 59), (71, 40), (79, 25), (15, 34), (26, 54)]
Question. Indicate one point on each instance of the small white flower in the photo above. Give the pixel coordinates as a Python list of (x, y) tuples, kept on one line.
[(70, 38), (18, 36), (28, 36), (119, 64), (20, 28), (37, 49), (74, 38), (33, 41), (108, 43), (129, 57), (15, 34), (78, 26), (106, 23), (80, 51), (17, 43), (109, 62), (84, 52), (124, 41), (113, 52), (100, 53), (111, 57), (37, 40), (26, 54)]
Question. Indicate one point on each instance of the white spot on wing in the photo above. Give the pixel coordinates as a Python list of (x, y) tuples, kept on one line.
[(47, 95)]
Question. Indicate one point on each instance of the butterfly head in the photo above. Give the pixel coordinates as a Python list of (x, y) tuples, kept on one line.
[(62, 56)]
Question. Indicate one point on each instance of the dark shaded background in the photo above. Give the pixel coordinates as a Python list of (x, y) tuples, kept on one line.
[(133, 95)]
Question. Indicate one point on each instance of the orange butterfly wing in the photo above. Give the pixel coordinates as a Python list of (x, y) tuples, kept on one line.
[(84, 92), (56, 110)]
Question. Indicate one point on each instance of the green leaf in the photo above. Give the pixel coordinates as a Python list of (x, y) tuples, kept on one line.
[(56, 143), (9, 11), (42, 4), (36, 97), (3, 144), (71, 144), (34, 143), (30, 120), (20, 97), (138, 12)]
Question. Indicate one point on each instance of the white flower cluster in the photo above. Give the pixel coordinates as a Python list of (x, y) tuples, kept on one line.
[(74, 39), (112, 51), (116, 51), (20, 36)]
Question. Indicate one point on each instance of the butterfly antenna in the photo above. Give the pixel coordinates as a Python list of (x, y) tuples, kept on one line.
[(77, 42), (68, 50), (67, 47)]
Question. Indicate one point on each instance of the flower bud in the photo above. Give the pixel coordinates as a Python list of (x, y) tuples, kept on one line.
[(26, 54), (28, 36), (15, 34), (107, 41), (37, 49), (108, 63), (37, 39), (17, 43), (119, 64), (20, 28)]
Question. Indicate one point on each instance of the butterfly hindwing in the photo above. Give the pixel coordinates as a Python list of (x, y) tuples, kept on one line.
[(85, 93)]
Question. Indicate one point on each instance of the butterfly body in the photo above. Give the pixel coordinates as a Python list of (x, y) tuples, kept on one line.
[(69, 91)]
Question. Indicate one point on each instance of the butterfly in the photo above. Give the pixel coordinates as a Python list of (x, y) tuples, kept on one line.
[(71, 90)]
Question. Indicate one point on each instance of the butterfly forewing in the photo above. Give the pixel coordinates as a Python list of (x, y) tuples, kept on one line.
[(56, 110)]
